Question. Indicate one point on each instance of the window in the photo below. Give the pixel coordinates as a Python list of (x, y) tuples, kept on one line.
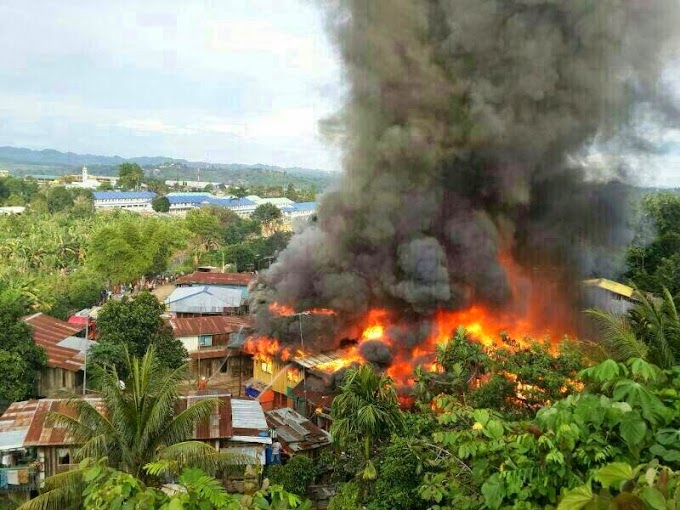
[(205, 340), (267, 367), (63, 456)]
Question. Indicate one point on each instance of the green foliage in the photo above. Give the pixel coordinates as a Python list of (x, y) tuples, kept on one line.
[(58, 199), (16, 191), (126, 248), (160, 204), (348, 497), (110, 489), (295, 476), (241, 255), (20, 358), (266, 215), (650, 330), (653, 258), (647, 486), (130, 176), (399, 466), (366, 411), (629, 414), (136, 324), (514, 380)]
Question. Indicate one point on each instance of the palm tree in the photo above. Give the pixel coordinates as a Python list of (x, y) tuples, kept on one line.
[(650, 330), (365, 411), (138, 429)]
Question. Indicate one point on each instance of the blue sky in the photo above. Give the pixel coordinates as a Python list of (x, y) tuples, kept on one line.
[(216, 80)]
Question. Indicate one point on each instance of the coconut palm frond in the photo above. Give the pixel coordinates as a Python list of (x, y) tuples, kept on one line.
[(618, 336), (200, 455), (62, 491), (181, 426)]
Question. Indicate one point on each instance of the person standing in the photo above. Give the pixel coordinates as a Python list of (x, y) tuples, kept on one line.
[(276, 452)]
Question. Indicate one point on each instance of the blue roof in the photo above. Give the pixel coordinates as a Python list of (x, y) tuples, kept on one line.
[(302, 206), (205, 198), (110, 195), (189, 198)]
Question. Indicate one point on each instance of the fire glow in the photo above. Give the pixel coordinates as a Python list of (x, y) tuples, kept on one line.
[(490, 327)]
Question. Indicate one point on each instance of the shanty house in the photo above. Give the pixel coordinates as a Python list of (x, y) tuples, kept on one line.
[(272, 382), (610, 296), (297, 434), (65, 346), (201, 300), (214, 343), (19, 469), (237, 281), (238, 425)]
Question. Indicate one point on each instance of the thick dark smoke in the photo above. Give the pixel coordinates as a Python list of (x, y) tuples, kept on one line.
[(463, 126)]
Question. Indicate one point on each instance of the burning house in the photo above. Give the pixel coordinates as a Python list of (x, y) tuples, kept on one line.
[(467, 198)]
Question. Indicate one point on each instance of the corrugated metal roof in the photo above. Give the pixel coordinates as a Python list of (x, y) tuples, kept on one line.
[(43, 432), (209, 278), (76, 343), (212, 325), (48, 332), (12, 439), (122, 195), (312, 361), (30, 419), (248, 414), (297, 432), (611, 286), (203, 299)]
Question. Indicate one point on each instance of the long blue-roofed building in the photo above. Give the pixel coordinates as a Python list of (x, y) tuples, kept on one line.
[(131, 200)]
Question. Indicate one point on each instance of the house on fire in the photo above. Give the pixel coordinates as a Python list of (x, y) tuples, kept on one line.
[(65, 345), (304, 383), (32, 444), (214, 345)]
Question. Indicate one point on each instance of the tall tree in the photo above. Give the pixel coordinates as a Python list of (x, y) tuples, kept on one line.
[(366, 411), (58, 199), (130, 176), (136, 325), (20, 358), (160, 204), (268, 216), (125, 249)]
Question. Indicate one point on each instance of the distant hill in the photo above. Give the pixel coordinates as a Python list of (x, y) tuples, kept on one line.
[(22, 161)]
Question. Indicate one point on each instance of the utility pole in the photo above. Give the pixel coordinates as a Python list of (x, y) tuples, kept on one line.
[(302, 344), (87, 345)]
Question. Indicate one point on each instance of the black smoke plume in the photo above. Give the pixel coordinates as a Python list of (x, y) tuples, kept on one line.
[(464, 131)]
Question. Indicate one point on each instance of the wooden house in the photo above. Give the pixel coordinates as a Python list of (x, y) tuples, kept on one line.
[(65, 345)]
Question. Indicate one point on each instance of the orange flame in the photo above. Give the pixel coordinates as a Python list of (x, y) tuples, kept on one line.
[(287, 311), (523, 319)]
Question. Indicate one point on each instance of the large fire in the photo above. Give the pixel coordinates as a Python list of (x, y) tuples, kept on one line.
[(524, 319)]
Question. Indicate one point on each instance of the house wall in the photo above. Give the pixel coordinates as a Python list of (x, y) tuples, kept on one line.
[(52, 380), (273, 373), (190, 343)]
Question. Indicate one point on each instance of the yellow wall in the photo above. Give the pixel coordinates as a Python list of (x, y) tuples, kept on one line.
[(281, 383)]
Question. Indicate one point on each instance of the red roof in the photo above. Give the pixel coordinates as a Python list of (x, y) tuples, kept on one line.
[(209, 325), (203, 278), (48, 332)]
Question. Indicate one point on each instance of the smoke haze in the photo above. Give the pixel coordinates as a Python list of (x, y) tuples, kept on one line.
[(462, 131)]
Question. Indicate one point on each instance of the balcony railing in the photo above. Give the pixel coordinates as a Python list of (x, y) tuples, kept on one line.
[(19, 478)]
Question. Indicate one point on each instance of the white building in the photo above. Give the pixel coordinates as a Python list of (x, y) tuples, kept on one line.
[(183, 202), (131, 200)]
